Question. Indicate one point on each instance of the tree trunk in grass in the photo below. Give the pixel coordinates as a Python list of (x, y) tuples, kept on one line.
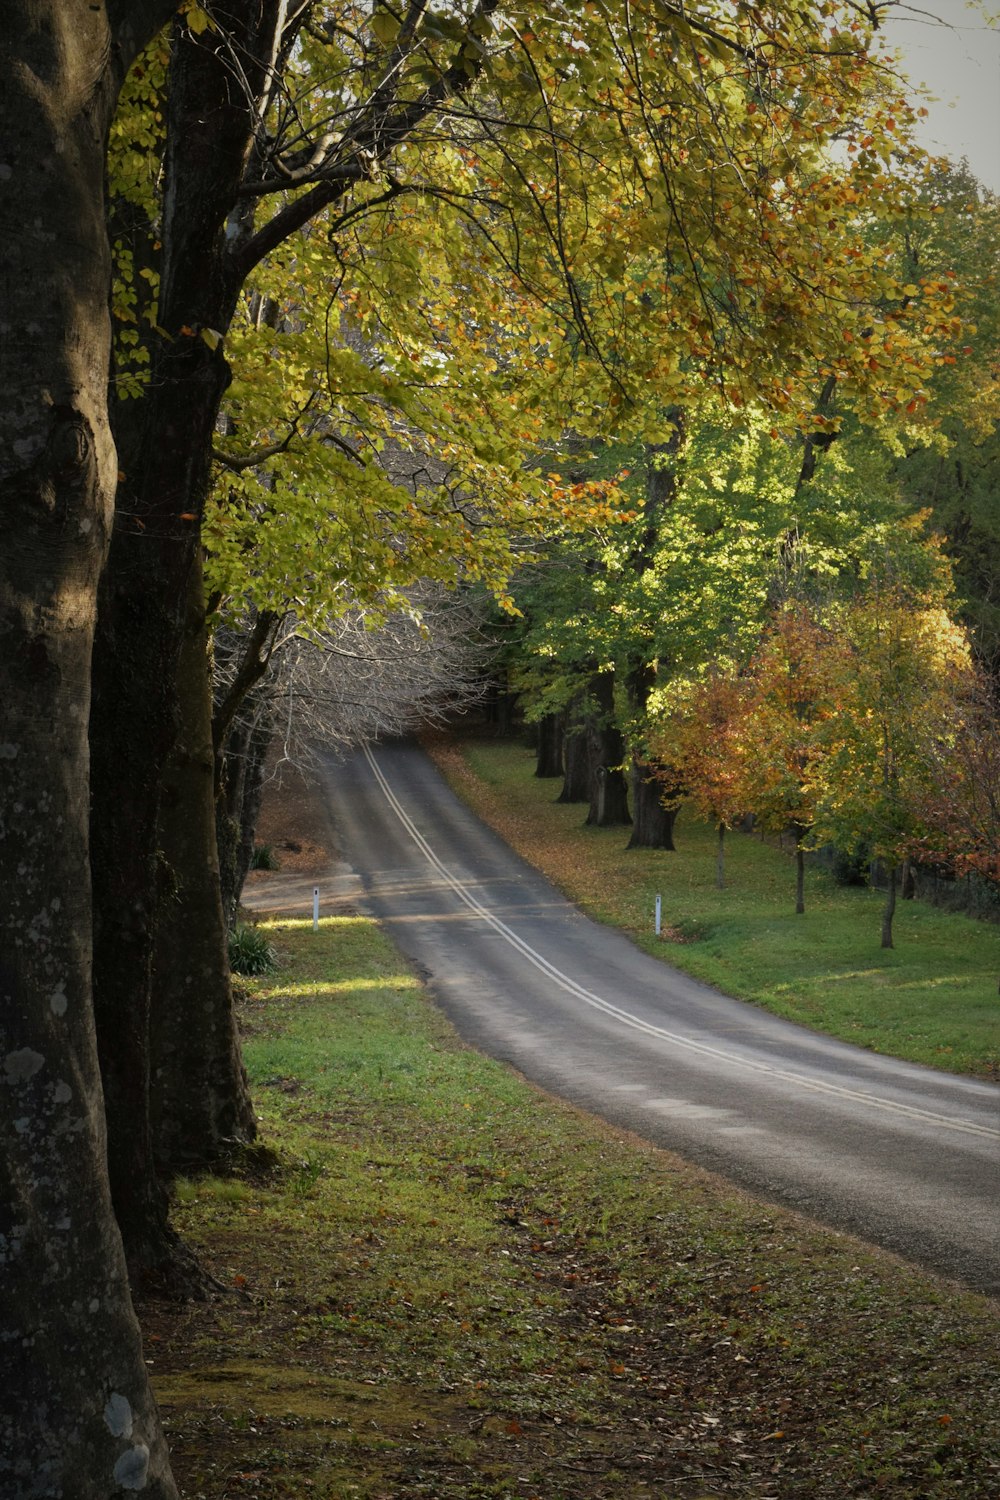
[(576, 776), (165, 453), (606, 746), (907, 883), (549, 761), (653, 824), (889, 910), (77, 1418), (199, 1099)]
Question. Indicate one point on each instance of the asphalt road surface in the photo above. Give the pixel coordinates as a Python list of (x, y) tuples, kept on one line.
[(904, 1157)]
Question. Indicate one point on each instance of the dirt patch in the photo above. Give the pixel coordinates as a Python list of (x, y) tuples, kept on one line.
[(295, 824)]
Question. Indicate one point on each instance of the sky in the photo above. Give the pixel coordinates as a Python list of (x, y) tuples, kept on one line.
[(960, 63)]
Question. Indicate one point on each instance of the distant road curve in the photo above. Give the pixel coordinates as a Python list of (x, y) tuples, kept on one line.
[(902, 1156)]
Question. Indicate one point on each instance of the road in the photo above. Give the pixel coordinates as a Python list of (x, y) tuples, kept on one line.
[(904, 1157)]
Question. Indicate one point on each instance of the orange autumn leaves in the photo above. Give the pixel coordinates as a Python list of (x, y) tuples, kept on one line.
[(842, 726)]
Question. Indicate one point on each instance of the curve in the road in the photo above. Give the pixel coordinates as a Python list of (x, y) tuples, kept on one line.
[(905, 1157), (625, 1017)]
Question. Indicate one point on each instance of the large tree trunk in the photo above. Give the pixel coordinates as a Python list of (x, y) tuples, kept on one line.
[(609, 789), (76, 1415), (135, 670), (576, 759), (165, 447), (549, 762), (653, 824), (199, 1099)]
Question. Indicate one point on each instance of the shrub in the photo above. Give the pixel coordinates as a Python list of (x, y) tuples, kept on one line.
[(250, 952), (264, 858)]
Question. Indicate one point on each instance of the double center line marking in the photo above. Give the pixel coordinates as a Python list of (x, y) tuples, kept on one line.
[(636, 1023)]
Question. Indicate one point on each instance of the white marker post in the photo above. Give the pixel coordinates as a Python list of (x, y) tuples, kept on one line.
[(315, 908), (659, 908)]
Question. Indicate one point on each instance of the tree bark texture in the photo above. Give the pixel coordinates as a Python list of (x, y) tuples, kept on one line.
[(77, 1419), (165, 444), (549, 762), (199, 1097), (652, 823), (606, 746), (576, 776)]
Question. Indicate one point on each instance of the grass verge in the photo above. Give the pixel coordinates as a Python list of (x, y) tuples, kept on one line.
[(444, 1284), (932, 999)]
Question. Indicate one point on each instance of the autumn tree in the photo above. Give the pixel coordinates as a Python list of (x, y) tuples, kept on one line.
[(701, 750), (954, 476), (795, 682), (960, 810), (739, 535), (905, 656)]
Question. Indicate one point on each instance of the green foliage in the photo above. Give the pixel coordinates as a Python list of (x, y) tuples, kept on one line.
[(561, 221), (898, 693), (251, 950), (264, 858)]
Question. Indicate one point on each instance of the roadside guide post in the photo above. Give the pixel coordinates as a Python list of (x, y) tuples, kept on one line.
[(659, 908), (315, 908)]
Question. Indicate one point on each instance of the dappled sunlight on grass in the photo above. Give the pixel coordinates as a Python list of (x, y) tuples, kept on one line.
[(342, 986), (302, 924)]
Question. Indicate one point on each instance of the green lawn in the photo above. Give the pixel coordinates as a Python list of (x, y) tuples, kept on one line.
[(444, 1285), (931, 999)]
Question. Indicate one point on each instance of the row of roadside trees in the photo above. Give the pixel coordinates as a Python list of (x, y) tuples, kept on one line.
[(804, 632), (325, 233)]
